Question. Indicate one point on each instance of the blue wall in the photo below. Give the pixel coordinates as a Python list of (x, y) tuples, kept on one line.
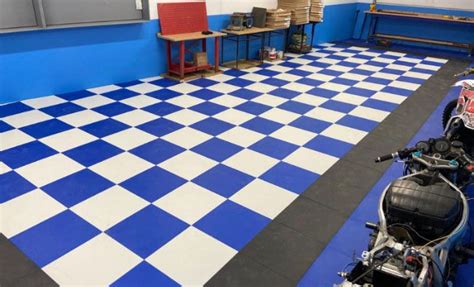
[(417, 28), (41, 63)]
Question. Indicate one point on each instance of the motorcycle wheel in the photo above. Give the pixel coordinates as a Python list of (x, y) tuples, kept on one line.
[(448, 112)]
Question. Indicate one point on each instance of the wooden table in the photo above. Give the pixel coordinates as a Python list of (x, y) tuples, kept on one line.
[(254, 32), (404, 15), (182, 68)]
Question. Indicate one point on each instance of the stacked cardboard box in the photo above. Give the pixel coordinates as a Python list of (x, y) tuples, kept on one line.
[(299, 10), (278, 18), (316, 13)]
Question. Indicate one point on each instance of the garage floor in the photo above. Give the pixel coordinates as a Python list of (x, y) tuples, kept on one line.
[(162, 183)]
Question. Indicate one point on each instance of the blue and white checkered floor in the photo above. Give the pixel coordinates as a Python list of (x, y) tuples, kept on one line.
[(155, 183)]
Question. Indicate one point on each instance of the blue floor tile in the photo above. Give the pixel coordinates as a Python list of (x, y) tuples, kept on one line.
[(360, 92), (105, 127), (162, 109), (208, 108), (320, 92), (160, 127), (153, 183), (275, 82), (113, 109), (223, 180), (217, 149), (205, 94), (245, 94), (130, 83), (239, 82), (76, 95), (262, 125), (13, 108), (212, 126), (274, 147), (253, 108), (62, 109), (121, 94), (25, 154), (157, 151), (284, 93), (380, 105), (232, 224), (5, 127), (357, 123), (51, 239), (329, 146), (310, 124), (152, 225), (203, 82), (13, 185), (46, 128), (144, 275), (164, 82), (338, 106), (77, 187), (290, 177), (164, 94), (92, 153)]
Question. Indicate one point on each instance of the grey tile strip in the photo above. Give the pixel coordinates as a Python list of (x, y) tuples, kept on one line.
[(17, 270), (286, 248)]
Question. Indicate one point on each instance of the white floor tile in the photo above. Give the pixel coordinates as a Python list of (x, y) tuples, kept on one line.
[(135, 117), (44, 102), (188, 164), (93, 101), (109, 207), (297, 87), (68, 139), (82, 118), (121, 167), (251, 162), (129, 139), (369, 86), (369, 113), (185, 101), (349, 99), (387, 97), (280, 116), (261, 88), (293, 135), (189, 202), (310, 99), (264, 198), (241, 136), (186, 117), (13, 138), (184, 88), (98, 262), (192, 257), (311, 160), (49, 169), (104, 89), (223, 88), (26, 118), (234, 117), (144, 88), (385, 76), (343, 133), (187, 137), (334, 87), (140, 101), (269, 100), (228, 101), (325, 114), (405, 85), (27, 210)]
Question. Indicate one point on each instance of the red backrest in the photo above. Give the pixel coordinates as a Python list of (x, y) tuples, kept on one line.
[(179, 18)]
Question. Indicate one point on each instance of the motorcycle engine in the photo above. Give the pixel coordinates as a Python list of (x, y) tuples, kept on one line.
[(421, 209)]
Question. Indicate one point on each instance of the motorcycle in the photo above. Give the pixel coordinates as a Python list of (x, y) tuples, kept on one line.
[(458, 115), (423, 218)]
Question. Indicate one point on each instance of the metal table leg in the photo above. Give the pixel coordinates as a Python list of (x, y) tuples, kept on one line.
[(302, 38), (237, 53)]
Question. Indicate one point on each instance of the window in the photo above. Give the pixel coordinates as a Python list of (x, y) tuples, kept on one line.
[(17, 15)]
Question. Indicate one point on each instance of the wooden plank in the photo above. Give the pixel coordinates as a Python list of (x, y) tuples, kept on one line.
[(189, 36), (422, 40), (253, 30)]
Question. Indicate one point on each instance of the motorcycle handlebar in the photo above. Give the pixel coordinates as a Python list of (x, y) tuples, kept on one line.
[(403, 153), (465, 73)]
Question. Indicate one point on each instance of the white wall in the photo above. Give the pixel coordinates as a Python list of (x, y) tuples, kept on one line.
[(220, 7), (442, 4)]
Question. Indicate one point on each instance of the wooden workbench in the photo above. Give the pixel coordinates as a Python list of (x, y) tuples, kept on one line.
[(447, 19), (182, 67)]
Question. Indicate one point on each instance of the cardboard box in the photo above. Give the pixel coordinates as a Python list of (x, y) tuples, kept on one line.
[(200, 58)]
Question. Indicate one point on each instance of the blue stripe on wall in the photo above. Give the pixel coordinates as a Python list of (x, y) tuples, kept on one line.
[(41, 63)]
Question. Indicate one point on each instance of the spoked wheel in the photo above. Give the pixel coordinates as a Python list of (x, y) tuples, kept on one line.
[(449, 112)]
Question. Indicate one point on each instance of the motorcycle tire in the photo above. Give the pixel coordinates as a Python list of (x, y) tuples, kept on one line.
[(448, 112)]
